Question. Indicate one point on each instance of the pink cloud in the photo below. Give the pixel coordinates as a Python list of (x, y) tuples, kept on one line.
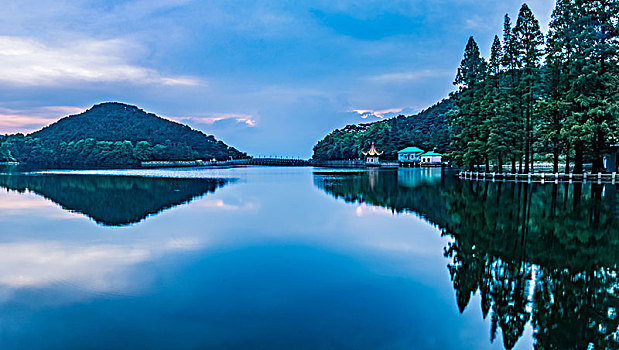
[(364, 113), (29, 120)]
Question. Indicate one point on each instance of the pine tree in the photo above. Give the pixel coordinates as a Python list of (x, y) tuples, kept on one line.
[(510, 99), (466, 123), (497, 143), (586, 32), (554, 106), (602, 70), (469, 72), (513, 105), (528, 39)]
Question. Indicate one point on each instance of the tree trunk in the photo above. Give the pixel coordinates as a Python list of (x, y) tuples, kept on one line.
[(598, 163), (500, 162), (532, 156), (527, 143), (578, 159), (555, 159), (513, 164), (530, 127), (598, 147), (567, 158)]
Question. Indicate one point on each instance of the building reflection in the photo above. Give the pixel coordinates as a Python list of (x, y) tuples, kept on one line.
[(413, 177)]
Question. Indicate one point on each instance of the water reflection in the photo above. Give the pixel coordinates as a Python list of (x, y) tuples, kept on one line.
[(112, 200), (271, 262), (544, 254)]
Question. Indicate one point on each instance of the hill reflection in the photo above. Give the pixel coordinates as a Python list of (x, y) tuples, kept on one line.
[(112, 200), (545, 254)]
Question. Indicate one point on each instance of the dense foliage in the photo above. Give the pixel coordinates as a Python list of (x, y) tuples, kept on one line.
[(536, 98), (112, 134), (427, 130)]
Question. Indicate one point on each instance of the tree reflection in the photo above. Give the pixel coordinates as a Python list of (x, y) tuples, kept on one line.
[(112, 200), (540, 253)]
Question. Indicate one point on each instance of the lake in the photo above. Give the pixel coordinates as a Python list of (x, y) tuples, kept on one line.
[(304, 258)]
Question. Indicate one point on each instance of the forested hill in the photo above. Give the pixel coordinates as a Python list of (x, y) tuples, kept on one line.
[(427, 130), (113, 134)]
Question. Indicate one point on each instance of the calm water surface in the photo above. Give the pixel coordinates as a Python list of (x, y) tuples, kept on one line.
[(280, 258)]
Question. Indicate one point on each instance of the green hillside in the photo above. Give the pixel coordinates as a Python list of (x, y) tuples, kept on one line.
[(113, 134), (427, 130)]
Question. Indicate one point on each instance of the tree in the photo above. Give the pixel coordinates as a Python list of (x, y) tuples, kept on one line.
[(468, 148), (600, 101), (5, 153), (527, 41), (510, 98), (585, 34), (554, 106), (498, 138)]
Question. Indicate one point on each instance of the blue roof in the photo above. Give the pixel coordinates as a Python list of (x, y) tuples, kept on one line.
[(411, 150)]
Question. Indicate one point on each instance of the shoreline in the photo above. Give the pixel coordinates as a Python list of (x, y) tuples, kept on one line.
[(541, 177)]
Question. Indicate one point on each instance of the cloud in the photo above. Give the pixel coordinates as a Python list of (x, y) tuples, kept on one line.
[(365, 113), (295, 67), (210, 119), (93, 267), (398, 77), (478, 23), (30, 119), (29, 62), (223, 205)]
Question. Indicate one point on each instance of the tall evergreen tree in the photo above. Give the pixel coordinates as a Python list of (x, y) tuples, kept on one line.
[(466, 122), (528, 39), (586, 31), (601, 69), (554, 106), (498, 142), (469, 72), (510, 99)]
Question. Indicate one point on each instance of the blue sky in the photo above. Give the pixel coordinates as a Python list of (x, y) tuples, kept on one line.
[(268, 77)]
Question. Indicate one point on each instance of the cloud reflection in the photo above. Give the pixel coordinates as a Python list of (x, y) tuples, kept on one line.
[(98, 268)]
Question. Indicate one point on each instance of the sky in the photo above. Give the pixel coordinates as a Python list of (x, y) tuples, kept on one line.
[(268, 77)]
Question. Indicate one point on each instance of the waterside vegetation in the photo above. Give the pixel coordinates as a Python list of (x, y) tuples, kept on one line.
[(428, 129), (553, 98), (537, 99)]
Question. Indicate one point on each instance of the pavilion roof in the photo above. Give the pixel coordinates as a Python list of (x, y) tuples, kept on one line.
[(373, 151)]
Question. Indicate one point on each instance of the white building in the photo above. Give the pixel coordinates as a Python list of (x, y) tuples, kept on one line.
[(431, 158)]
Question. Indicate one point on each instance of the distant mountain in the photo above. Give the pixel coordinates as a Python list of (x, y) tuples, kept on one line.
[(427, 130), (113, 134)]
